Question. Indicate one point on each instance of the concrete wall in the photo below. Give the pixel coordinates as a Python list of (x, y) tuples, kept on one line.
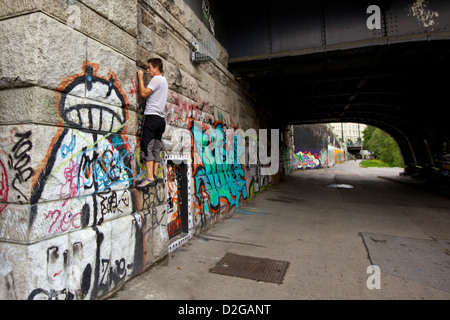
[(72, 225)]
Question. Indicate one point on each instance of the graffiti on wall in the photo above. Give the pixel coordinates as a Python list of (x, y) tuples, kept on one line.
[(335, 156), (306, 160), (313, 159), (20, 160), (4, 187), (319, 158), (90, 154), (88, 268), (207, 17), (219, 185), (82, 183)]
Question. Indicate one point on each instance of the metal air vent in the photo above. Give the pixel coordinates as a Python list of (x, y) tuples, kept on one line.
[(202, 52)]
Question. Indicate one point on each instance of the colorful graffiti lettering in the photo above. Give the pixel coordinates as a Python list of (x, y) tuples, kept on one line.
[(306, 160), (220, 180), (219, 186), (318, 158), (335, 156)]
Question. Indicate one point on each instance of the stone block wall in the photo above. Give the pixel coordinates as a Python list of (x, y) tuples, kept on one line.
[(72, 223)]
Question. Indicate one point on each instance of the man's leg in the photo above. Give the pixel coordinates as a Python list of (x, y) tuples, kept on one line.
[(157, 146), (149, 165), (151, 161), (155, 169)]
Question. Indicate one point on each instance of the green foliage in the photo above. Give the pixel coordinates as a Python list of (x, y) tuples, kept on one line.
[(373, 163), (383, 146), (367, 134)]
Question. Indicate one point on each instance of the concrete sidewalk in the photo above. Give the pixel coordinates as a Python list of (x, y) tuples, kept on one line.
[(329, 236)]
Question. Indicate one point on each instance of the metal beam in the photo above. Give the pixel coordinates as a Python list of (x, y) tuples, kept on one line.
[(262, 30)]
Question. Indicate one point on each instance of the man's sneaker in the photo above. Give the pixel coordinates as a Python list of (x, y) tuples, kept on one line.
[(145, 183)]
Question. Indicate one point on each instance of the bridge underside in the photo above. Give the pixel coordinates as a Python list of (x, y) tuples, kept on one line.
[(398, 86)]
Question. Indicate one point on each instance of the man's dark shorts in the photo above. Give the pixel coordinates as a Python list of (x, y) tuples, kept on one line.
[(151, 144)]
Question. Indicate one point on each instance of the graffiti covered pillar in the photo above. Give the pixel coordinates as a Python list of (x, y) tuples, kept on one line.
[(72, 225)]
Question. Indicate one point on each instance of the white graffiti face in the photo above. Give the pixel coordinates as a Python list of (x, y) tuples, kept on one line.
[(82, 181), (92, 157), (94, 103)]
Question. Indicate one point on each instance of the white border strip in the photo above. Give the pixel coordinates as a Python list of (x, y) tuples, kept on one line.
[(185, 158), (180, 242)]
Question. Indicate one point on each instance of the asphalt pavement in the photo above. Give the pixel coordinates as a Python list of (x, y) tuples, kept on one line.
[(346, 233)]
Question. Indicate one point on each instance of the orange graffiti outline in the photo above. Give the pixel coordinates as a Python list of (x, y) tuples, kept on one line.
[(61, 87)]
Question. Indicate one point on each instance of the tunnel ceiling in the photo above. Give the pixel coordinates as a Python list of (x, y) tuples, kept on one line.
[(402, 85), (306, 62), (311, 61)]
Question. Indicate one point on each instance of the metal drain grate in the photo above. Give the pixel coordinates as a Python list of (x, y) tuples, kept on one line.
[(260, 269)]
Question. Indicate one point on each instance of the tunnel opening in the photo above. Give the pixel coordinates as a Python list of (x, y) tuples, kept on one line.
[(324, 145), (397, 88), (309, 62)]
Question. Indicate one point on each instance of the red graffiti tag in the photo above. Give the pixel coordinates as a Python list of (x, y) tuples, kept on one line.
[(57, 274), (4, 187), (133, 88)]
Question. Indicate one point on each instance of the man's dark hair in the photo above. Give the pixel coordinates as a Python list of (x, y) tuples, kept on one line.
[(156, 62)]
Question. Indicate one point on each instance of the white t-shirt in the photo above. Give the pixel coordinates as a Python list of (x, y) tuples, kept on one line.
[(156, 102)]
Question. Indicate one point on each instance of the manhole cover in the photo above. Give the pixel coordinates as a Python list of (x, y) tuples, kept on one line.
[(260, 269), (340, 186)]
